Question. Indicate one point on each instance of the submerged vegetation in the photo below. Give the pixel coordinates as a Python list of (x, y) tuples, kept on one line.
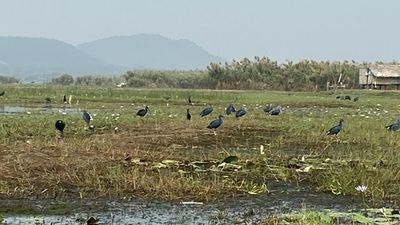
[(165, 156), (308, 217)]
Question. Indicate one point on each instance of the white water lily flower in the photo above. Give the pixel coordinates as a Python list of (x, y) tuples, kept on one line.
[(361, 188), (262, 150)]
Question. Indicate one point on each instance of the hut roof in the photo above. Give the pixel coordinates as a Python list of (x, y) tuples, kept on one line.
[(385, 70)]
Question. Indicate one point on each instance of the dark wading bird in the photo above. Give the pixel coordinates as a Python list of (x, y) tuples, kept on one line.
[(48, 100), (86, 117), (92, 221), (241, 112), (2, 93), (142, 112), (230, 109), (276, 110), (189, 100), (215, 123), (206, 111), (336, 129), (356, 99), (65, 99), (188, 116), (60, 125), (347, 97), (394, 126), (268, 108)]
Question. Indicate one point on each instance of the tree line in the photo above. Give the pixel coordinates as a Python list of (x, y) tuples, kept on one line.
[(259, 73), (264, 73), (8, 80)]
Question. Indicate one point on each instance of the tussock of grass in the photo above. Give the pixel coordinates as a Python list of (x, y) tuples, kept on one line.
[(327, 217)]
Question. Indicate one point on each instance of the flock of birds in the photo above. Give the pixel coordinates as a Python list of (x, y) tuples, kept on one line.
[(214, 124), (347, 97), (230, 109)]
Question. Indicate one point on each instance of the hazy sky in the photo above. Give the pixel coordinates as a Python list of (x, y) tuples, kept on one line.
[(280, 29)]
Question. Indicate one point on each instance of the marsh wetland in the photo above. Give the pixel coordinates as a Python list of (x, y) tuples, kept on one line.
[(164, 169)]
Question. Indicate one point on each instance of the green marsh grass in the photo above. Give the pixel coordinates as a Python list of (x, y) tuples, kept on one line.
[(124, 155)]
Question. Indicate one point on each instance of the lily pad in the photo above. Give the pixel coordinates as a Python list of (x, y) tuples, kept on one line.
[(170, 162), (158, 165), (230, 159)]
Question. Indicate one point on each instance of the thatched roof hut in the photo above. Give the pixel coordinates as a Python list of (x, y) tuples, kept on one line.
[(378, 75)]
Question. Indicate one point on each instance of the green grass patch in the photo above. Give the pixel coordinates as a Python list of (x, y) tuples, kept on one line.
[(164, 156), (310, 217)]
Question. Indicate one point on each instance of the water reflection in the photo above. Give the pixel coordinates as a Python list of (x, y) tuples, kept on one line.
[(283, 198), (11, 109)]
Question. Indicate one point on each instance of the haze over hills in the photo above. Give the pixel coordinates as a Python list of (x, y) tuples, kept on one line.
[(25, 57), (144, 51)]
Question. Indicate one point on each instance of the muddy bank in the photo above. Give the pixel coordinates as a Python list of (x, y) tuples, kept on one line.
[(283, 198)]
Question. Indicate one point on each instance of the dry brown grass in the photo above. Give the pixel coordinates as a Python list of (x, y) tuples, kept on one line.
[(131, 161), (100, 164)]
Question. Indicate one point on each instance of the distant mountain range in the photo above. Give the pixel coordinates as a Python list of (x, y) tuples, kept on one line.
[(144, 51), (39, 58)]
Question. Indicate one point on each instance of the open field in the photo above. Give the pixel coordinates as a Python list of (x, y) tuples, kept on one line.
[(163, 156)]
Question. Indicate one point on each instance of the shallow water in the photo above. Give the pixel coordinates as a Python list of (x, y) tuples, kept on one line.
[(11, 109), (283, 198), (16, 109)]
